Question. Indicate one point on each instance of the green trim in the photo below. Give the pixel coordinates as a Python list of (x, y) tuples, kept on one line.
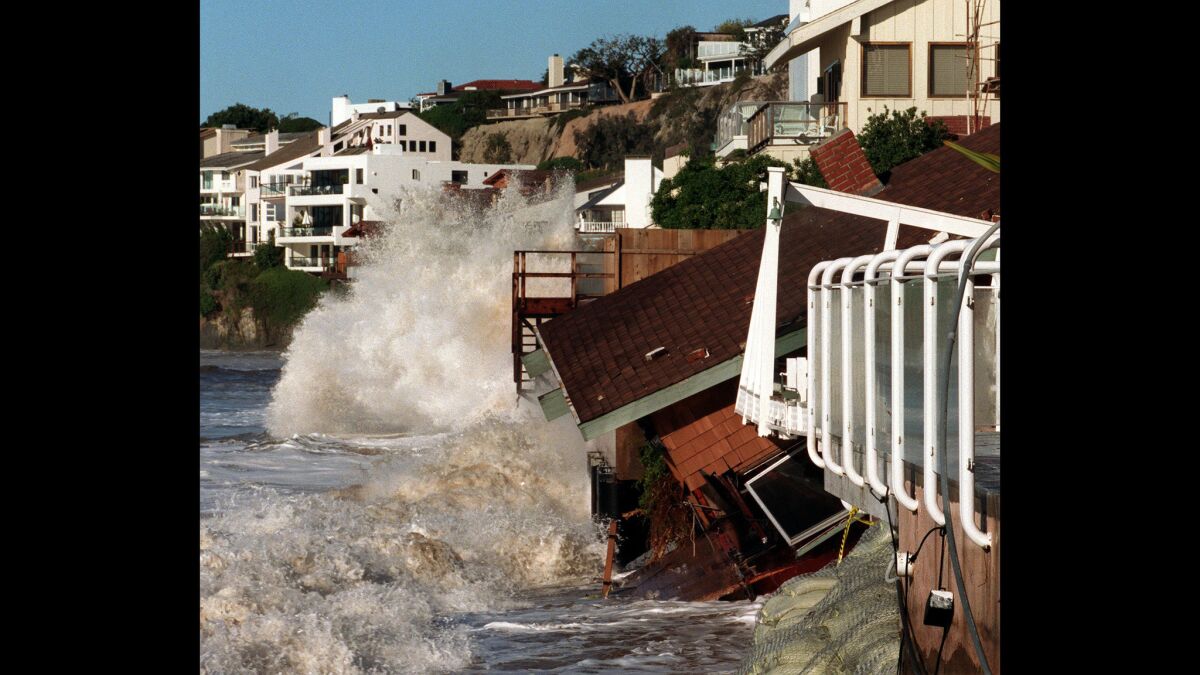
[(681, 390), (536, 362), (554, 404)]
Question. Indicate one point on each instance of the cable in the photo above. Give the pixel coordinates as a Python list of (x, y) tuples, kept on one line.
[(901, 600), (945, 634), (967, 262), (916, 553)]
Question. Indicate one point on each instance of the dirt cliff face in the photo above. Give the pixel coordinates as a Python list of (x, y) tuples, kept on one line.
[(680, 116)]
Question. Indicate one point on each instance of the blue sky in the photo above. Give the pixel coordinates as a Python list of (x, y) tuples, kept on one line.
[(295, 55)]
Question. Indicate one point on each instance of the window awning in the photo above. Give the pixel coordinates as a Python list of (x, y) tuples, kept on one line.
[(805, 38)]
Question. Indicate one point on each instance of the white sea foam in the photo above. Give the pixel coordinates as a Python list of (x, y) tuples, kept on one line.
[(450, 497)]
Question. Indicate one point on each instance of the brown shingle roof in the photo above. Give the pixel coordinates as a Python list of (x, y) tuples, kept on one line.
[(705, 301), (301, 147), (229, 160)]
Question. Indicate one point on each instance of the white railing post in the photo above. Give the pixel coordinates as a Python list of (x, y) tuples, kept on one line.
[(869, 329), (826, 359), (930, 344), (813, 332), (848, 368), (898, 270)]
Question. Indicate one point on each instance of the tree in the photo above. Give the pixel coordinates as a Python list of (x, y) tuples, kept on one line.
[(267, 254), (677, 52), (561, 164), (215, 241), (702, 196), (735, 28), (244, 117), (469, 110), (757, 46), (620, 59), (606, 142), (291, 123), (888, 141), (497, 149)]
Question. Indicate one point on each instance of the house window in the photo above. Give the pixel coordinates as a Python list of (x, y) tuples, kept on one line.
[(253, 182), (358, 176), (458, 177), (416, 175), (887, 70), (948, 64), (422, 146), (433, 146), (388, 131), (403, 129)]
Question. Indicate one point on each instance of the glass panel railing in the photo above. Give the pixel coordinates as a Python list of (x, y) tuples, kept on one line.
[(310, 190), (322, 262), (318, 231), (222, 211)]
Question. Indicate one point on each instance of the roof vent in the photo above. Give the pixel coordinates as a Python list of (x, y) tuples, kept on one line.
[(655, 353)]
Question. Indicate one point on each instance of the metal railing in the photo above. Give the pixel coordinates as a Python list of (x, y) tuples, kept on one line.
[(324, 262), (319, 231), (218, 210), (713, 49), (527, 111), (597, 226), (244, 246), (311, 190), (797, 122), (691, 76), (273, 189)]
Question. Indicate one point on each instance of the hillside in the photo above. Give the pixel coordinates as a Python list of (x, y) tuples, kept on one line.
[(680, 116)]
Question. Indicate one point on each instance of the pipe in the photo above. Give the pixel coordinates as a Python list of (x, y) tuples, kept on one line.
[(878, 487), (813, 329), (930, 342), (951, 545), (847, 368), (897, 286), (827, 358)]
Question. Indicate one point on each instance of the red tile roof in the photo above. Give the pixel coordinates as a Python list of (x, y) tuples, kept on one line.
[(705, 301), (499, 84)]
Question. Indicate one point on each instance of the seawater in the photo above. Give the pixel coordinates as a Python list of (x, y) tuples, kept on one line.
[(377, 499)]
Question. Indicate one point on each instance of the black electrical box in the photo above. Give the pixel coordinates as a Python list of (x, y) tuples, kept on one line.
[(939, 609)]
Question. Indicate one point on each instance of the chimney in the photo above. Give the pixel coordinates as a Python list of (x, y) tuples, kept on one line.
[(323, 136), (443, 87), (556, 71), (844, 166), (272, 141), (339, 110), (639, 190)]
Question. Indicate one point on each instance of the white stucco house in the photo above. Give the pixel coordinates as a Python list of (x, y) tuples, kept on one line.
[(625, 202)]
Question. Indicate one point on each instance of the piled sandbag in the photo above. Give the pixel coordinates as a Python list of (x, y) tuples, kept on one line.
[(841, 619)]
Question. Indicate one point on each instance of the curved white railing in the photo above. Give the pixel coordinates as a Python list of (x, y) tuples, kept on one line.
[(826, 359), (847, 368), (812, 329), (966, 411), (872, 452), (899, 268)]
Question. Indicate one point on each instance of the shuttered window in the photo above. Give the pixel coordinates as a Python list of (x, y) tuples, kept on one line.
[(948, 71), (887, 71)]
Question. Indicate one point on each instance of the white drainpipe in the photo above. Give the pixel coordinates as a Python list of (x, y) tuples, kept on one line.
[(847, 363), (869, 276), (932, 412), (827, 358), (813, 328), (899, 267)]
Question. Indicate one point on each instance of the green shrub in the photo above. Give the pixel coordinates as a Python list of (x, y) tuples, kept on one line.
[(497, 150), (806, 171), (888, 141), (561, 163), (280, 297), (268, 255), (208, 304), (701, 196), (215, 241), (606, 142)]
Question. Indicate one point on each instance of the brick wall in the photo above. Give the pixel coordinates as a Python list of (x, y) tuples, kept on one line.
[(957, 124), (844, 166)]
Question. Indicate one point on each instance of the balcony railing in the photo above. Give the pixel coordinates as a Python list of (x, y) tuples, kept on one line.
[(712, 50), (527, 111), (598, 226), (324, 262), (243, 247), (320, 231), (685, 77), (274, 189), (804, 122), (311, 190), (218, 210)]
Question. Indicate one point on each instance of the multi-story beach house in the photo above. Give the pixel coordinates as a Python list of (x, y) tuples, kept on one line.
[(850, 60), (623, 201), (341, 109), (215, 141), (267, 180), (223, 193), (566, 89), (446, 93)]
